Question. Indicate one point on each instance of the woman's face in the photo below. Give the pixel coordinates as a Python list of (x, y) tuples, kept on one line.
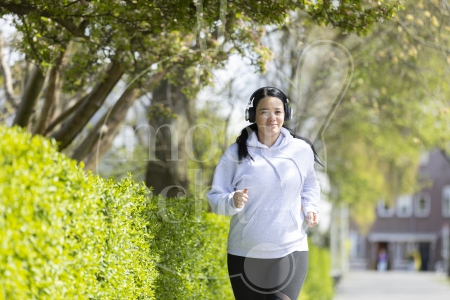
[(269, 116)]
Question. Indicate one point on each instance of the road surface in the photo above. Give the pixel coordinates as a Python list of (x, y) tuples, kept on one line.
[(371, 285)]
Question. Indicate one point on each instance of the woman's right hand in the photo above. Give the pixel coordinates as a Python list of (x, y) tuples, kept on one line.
[(240, 197)]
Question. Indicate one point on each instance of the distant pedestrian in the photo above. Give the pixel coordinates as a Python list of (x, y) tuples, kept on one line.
[(382, 260), (266, 181)]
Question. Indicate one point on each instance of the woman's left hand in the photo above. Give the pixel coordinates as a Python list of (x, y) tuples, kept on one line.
[(313, 219)]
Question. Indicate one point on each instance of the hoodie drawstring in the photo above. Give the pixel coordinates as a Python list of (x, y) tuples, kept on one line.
[(272, 165), (298, 168)]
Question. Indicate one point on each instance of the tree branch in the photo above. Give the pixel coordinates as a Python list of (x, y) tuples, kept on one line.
[(93, 101), (108, 126), (421, 41), (64, 115), (30, 39), (51, 94), (26, 8)]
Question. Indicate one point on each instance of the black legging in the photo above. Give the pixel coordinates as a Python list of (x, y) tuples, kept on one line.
[(268, 279)]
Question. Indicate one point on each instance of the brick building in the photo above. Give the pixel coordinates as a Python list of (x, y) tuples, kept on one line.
[(416, 226)]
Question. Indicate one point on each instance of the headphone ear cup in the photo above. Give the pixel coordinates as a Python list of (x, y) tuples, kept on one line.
[(251, 114), (288, 112)]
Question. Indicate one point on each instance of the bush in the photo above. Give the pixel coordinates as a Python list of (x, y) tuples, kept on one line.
[(318, 284), (65, 234), (192, 248), (128, 269)]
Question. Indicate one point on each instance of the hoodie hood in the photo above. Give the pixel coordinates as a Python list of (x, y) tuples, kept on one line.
[(266, 153), (284, 139)]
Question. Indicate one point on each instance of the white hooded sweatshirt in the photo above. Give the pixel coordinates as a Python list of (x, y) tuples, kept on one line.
[(282, 189)]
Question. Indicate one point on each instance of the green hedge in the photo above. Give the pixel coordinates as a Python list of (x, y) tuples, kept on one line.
[(65, 234), (192, 246), (319, 283)]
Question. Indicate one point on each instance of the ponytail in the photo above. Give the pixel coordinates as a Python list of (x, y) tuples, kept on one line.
[(242, 141)]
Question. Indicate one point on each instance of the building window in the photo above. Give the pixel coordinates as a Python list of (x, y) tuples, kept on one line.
[(422, 205), (446, 201), (385, 209), (404, 206)]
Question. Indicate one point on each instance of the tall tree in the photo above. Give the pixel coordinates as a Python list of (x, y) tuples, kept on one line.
[(86, 49), (395, 106)]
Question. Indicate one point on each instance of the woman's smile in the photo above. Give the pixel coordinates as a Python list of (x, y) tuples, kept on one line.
[(269, 118)]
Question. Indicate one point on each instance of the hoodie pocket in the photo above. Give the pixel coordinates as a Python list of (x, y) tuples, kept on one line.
[(271, 229)]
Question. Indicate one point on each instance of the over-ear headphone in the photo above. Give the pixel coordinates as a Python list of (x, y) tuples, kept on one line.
[(250, 114)]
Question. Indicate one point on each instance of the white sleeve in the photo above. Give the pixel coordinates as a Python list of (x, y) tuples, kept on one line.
[(220, 197), (311, 190)]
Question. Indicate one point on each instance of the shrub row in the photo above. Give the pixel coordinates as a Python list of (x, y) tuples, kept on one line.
[(319, 283), (65, 234)]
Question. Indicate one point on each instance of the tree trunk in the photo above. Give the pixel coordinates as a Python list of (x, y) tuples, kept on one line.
[(89, 107), (29, 97), (107, 128), (167, 174), (109, 125), (51, 96), (64, 115)]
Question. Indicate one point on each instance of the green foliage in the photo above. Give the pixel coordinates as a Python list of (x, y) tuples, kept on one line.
[(140, 33), (192, 247), (215, 242), (318, 284), (398, 107), (128, 267), (352, 16), (182, 41), (66, 234), (158, 110), (209, 144)]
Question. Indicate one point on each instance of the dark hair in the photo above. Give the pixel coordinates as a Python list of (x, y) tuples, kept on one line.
[(242, 138)]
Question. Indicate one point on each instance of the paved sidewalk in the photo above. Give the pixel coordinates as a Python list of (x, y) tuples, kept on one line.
[(371, 285)]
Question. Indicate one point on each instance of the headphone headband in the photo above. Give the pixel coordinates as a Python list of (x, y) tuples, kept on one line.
[(250, 113)]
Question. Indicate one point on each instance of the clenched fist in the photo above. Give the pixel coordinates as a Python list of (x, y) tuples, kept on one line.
[(313, 219), (240, 197)]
